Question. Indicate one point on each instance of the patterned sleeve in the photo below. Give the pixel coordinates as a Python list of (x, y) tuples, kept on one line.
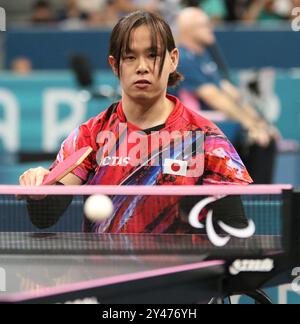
[(78, 139), (222, 163)]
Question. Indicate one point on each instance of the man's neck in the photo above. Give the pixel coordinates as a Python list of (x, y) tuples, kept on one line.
[(145, 114), (192, 46)]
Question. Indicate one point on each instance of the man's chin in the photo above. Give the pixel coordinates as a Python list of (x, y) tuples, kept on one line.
[(142, 96)]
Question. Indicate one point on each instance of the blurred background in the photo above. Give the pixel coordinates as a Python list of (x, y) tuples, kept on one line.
[(54, 72)]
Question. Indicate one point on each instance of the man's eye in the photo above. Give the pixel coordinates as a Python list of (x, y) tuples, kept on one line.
[(130, 58), (153, 55)]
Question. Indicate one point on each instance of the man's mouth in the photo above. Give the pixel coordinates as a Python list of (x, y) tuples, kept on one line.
[(141, 82)]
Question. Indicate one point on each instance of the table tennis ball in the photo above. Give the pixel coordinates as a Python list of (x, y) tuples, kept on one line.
[(98, 208)]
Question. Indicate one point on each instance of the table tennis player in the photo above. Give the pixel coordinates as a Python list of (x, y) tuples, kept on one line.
[(144, 57)]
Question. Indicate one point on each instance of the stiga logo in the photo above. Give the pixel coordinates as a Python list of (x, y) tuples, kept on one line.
[(296, 21), (2, 280), (238, 266), (2, 20)]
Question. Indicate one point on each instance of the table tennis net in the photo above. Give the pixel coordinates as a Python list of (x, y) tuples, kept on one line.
[(25, 226)]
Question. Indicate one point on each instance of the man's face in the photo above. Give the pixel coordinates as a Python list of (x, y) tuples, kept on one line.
[(139, 77), (202, 31)]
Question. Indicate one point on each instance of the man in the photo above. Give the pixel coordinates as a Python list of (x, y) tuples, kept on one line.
[(204, 86), (42, 13), (131, 138)]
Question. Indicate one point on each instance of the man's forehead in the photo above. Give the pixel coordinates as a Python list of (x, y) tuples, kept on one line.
[(141, 40), (141, 48)]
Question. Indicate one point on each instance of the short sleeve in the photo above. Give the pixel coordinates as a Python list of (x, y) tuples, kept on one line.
[(78, 139), (222, 163)]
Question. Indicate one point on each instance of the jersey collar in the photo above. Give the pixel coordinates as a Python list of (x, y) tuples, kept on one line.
[(176, 113)]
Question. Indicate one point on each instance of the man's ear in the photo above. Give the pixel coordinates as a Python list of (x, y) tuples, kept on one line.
[(174, 59), (113, 64)]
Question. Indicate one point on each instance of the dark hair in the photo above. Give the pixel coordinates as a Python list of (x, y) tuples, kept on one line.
[(41, 4), (160, 30)]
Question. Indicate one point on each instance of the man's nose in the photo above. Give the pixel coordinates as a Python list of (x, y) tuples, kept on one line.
[(142, 67)]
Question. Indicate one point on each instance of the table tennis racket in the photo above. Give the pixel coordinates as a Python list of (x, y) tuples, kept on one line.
[(67, 166)]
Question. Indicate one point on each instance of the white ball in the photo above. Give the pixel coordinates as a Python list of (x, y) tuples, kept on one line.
[(98, 208)]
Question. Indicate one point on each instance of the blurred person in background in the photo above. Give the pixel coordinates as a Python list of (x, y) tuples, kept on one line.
[(72, 16), (237, 9), (207, 90), (128, 6), (258, 10), (215, 9), (21, 66), (93, 13), (105, 13), (169, 9), (218, 10), (42, 13), (268, 10), (90, 6)]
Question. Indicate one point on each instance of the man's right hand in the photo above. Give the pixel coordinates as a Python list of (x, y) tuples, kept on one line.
[(33, 178)]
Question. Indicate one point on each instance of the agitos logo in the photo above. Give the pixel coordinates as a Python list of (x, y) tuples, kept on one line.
[(2, 20), (214, 237), (296, 21)]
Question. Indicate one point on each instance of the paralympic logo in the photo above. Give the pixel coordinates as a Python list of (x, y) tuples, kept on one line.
[(2, 19), (296, 281), (213, 236), (296, 21), (2, 280)]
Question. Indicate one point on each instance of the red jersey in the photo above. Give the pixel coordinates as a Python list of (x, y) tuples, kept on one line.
[(186, 150)]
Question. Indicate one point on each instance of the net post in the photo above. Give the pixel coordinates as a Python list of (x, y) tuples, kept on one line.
[(290, 225)]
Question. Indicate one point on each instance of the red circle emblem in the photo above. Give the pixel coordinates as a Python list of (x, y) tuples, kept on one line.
[(175, 167)]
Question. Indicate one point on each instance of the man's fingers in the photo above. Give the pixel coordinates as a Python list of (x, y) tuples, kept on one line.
[(40, 175), (22, 179), (27, 181), (32, 178)]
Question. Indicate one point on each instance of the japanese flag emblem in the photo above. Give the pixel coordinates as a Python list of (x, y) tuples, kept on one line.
[(175, 167)]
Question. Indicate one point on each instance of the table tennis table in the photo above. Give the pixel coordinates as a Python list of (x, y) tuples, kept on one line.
[(61, 267), (116, 268)]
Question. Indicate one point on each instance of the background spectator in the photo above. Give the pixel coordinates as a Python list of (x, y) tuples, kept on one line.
[(268, 10), (72, 15), (21, 66), (215, 9), (42, 13), (205, 85)]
